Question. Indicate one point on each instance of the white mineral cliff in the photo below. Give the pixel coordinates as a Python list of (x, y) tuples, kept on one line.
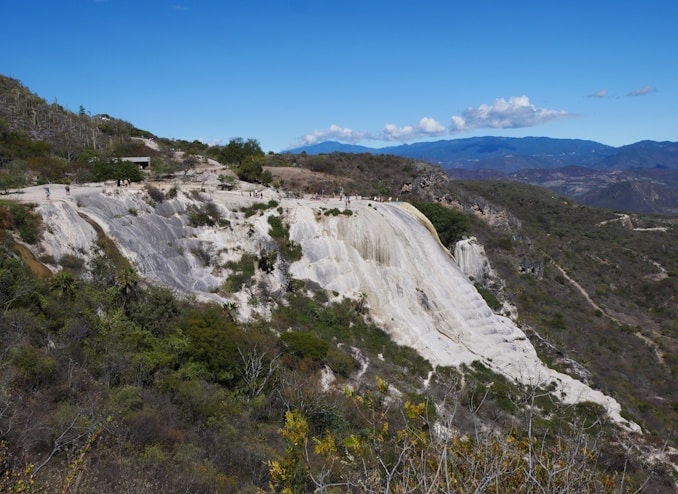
[(384, 252), (471, 259)]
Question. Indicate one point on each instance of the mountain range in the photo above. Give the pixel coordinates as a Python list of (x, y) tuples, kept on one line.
[(640, 177)]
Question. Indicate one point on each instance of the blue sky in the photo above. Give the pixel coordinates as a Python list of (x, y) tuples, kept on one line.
[(371, 72)]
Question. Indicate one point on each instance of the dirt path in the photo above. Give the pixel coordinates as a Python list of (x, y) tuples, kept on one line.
[(649, 342), (37, 193)]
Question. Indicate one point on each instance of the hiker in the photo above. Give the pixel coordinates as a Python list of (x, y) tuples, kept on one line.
[(47, 193), (68, 190)]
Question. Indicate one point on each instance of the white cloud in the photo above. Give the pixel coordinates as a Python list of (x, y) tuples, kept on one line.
[(599, 94), (334, 133), (515, 113), (642, 91), (427, 127)]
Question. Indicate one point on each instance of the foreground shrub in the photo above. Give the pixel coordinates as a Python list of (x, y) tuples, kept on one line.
[(412, 453)]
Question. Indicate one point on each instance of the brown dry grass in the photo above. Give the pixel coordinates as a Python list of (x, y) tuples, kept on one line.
[(306, 181)]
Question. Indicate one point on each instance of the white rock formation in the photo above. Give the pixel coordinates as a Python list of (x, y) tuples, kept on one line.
[(384, 252), (472, 260), (66, 233)]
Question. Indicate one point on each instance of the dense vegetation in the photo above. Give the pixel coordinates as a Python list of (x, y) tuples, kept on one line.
[(450, 224)]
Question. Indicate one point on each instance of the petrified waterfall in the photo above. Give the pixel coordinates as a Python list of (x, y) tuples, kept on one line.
[(386, 253)]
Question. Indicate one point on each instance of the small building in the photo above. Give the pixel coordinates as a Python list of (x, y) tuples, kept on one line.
[(143, 161)]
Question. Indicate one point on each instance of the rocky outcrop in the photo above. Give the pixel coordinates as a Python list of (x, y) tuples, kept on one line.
[(472, 261), (495, 216)]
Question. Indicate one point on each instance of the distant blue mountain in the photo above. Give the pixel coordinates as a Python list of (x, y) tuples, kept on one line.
[(511, 154), (643, 155), (327, 147)]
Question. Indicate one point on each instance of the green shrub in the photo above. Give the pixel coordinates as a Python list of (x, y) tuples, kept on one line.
[(155, 310), (450, 224), (303, 344), (281, 234), (116, 170), (251, 170), (126, 398), (35, 368), (213, 342), (489, 297), (589, 413), (259, 206), (267, 260), (71, 263), (341, 363), (340, 322), (208, 214), (337, 212), (277, 230), (243, 271), (22, 218), (155, 194)]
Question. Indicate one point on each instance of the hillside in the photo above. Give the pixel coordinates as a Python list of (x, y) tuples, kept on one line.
[(640, 177), (606, 288), (342, 346)]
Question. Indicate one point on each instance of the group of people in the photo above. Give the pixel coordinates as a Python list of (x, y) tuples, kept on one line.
[(48, 192)]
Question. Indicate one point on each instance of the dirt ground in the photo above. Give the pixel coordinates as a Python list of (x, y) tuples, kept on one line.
[(307, 181)]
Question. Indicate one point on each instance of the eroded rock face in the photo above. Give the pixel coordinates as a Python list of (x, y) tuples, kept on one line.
[(65, 233), (159, 239), (495, 216), (384, 253), (472, 260)]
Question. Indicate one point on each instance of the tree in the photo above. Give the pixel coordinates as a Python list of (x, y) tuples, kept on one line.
[(128, 281), (252, 148), (189, 163), (250, 170), (257, 370), (48, 169), (63, 284), (15, 174), (195, 147), (115, 169), (237, 150), (213, 344)]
